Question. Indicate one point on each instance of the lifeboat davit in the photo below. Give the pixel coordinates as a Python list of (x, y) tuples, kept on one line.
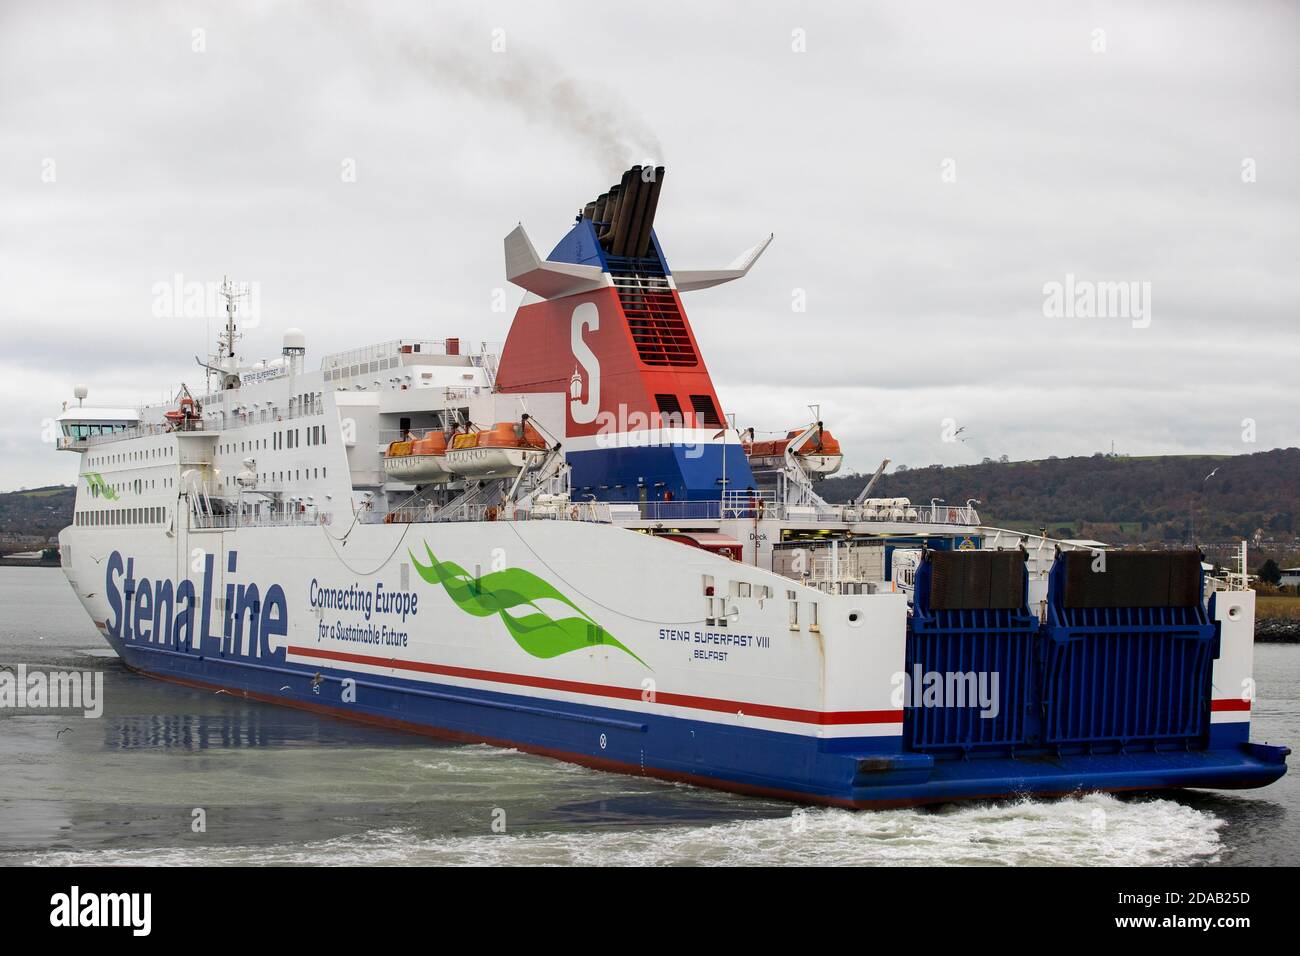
[(419, 460), (819, 455), (502, 451)]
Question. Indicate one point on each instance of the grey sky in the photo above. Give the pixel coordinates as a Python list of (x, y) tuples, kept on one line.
[(924, 297)]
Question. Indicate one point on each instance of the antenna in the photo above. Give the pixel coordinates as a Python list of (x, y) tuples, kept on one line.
[(230, 335), (227, 338)]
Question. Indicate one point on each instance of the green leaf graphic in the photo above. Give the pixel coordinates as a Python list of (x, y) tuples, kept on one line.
[(513, 595), (96, 481)]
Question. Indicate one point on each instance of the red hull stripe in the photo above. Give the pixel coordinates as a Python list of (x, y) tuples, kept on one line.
[(621, 693), (1230, 703)]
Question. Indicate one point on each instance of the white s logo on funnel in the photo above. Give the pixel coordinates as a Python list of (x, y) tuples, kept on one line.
[(585, 316)]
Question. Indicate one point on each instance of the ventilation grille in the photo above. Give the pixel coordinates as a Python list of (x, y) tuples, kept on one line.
[(657, 325), (706, 413), (670, 411)]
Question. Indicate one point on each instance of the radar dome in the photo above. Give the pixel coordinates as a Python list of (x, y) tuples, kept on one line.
[(294, 339)]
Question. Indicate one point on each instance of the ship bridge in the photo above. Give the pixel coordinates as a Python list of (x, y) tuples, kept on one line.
[(79, 425)]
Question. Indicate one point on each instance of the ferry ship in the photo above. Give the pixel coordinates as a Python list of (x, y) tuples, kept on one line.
[(567, 546)]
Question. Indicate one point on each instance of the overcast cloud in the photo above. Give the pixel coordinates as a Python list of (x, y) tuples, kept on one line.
[(926, 169)]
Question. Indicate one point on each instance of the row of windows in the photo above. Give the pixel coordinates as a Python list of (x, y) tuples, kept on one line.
[(296, 474), (138, 485), (289, 438), (308, 403), (81, 430), (108, 517), (144, 454)]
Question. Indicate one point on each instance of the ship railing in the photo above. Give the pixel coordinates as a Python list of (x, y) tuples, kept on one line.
[(590, 511), (680, 510), (813, 514), (275, 519), (934, 513), (749, 502), (763, 505), (264, 416), (741, 506), (210, 423), (380, 352), (135, 431)]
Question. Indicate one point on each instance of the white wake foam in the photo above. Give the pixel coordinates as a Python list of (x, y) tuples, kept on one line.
[(1094, 829)]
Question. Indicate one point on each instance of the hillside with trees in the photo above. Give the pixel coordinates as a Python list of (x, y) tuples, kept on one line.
[(30, 517), (1118, 499)]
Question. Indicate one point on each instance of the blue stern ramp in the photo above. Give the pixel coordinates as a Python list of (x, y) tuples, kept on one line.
[(1108, 685)]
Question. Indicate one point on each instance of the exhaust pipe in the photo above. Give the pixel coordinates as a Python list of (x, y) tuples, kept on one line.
[(641, 246), (627, 209), (611, 213), (601, 202), (630, 246)]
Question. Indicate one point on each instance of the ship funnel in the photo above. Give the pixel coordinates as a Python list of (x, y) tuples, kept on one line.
[(625, 215)]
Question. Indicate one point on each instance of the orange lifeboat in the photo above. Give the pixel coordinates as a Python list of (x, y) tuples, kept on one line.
[(819, 455), (418, 460), (184, 416), (497, 452)]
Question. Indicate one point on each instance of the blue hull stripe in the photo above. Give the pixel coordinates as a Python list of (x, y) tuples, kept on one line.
[(856, 771)]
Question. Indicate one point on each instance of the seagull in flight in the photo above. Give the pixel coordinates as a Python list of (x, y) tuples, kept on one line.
[(1210, 475)]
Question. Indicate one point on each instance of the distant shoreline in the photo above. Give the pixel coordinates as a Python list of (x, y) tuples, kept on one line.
[(1277, 631)]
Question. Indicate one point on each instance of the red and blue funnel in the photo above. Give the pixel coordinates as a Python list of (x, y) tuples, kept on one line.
[(604, 324)]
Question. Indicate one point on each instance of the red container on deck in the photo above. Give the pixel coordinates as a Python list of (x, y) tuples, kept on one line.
[(453, 346)]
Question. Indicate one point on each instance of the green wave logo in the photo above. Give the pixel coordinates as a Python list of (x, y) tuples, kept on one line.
[(99, 486), (513, 595)]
